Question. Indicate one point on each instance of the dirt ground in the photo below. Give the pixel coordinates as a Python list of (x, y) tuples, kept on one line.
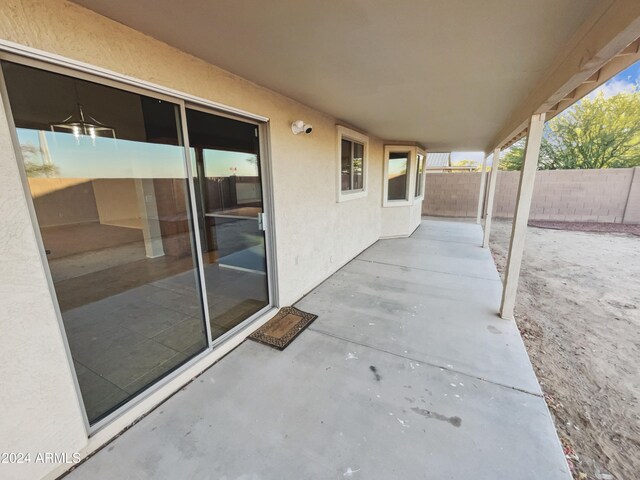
[(579, 312)]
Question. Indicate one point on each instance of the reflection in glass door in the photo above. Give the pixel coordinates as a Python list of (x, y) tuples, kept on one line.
[(398, 177), (226, 157), (106, 169)]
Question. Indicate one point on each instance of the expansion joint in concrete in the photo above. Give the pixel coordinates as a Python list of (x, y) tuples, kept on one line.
[(431, 364), (429, 270)]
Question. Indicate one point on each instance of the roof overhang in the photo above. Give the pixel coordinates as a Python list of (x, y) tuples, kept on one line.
[(458, 75)]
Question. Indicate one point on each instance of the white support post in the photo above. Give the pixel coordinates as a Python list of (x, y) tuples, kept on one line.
[(521, 217), (483, 183), (493, 180)]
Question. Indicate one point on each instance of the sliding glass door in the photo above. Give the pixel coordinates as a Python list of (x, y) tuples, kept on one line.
[(226, 157), (108, 175)]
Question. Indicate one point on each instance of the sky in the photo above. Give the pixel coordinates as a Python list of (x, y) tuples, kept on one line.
[(626, 81), (108, 158)]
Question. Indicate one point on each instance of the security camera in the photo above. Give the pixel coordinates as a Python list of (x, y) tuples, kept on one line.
[(299, 127)]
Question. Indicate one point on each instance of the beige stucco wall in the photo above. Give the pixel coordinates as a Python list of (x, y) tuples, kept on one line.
[(564, 195), (315, 235), (401, 221), (40, 411), (303, 165)]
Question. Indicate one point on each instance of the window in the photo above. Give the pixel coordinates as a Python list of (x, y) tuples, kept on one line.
[(397, 175), (352, 164), (404, 171), (419, 175), (351, 172)]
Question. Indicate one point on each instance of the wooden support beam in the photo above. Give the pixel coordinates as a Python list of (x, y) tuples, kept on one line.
[(594, 78), (493, 180), (610, 29), (521, 216), (555, 108), (483, 182), (631, 49), (602, 75), (486, 194)]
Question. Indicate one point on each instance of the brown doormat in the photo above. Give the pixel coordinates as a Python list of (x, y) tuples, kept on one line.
[(280, 331)]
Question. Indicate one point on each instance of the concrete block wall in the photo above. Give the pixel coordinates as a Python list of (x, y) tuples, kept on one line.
[(451, 194), (632, 212), (607, 195), (504, 203)]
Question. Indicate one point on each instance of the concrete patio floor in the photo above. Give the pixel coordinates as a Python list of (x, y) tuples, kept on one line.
[(407, 373)]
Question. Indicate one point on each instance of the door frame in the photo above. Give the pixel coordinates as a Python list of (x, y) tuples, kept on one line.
[(267, 209), (23, 55)]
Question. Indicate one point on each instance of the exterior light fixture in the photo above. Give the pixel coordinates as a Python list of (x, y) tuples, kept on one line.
[(299, 126)]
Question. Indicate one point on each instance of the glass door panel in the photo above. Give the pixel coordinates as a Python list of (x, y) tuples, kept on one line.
[(226, 159), (107, 173)]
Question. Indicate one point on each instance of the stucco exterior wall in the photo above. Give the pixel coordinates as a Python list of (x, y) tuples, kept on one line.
[(40, 409), (315, 235), (564, 195), (303, 165), (400, 221)]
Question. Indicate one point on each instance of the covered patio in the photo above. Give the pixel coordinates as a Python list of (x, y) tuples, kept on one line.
[(296, 135), (397, 378)]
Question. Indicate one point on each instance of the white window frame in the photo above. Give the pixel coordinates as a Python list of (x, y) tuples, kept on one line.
[(424, 172), (353, 136), (411, 177)]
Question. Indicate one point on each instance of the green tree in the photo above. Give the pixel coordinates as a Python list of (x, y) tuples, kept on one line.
[(465, 163), (597, 132), (477, 167)]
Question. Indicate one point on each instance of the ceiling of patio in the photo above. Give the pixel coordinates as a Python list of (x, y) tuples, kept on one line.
[(445, 73)]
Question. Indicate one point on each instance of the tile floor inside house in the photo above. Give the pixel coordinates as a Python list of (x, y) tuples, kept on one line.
[(123, 342), (408, 372)]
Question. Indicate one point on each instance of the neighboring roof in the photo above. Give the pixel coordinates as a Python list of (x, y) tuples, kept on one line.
[(438, 159), (456, 75)]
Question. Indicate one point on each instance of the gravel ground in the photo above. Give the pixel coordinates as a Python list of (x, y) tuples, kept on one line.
[(587, 227), (578, 310)]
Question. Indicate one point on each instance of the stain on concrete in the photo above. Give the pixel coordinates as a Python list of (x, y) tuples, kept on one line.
[(493, 329), (455, 421), (375, 373)]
